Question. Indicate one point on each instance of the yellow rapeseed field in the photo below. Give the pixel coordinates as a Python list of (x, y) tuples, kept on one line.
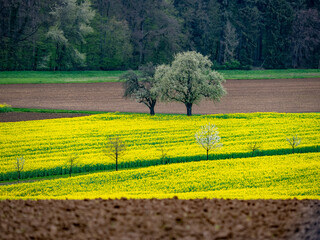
[(47, 144), (276, 177)]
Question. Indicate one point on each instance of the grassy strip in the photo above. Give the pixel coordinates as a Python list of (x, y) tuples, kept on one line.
[(271, 74), (18, 77), (278, 177), (63, 170)]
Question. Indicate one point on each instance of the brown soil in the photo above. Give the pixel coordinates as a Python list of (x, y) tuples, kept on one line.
[(273, 95), (160, 219), (26, 116)]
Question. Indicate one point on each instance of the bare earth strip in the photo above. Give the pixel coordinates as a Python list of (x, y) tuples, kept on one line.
[(26, 116), (272, 95), (160, 219)]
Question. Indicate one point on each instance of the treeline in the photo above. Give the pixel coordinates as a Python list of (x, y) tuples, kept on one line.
[(123, 34)]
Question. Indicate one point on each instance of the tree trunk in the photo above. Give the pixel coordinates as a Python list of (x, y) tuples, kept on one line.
[(140, 52), (116, 161), (258, 60), (152, 108), (34, 55), (207, 154), (221, 52), (189, 109)]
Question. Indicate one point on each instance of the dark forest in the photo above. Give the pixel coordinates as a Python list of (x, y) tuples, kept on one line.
[(124, 34)]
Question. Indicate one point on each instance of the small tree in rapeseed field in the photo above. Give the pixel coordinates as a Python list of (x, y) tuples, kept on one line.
[(19, 166), (208, 138), (294, 141), (115, 148), (163, 148), (70, 163), (254, 146)]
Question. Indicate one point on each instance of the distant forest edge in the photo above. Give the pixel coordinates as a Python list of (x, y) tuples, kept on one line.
[(123, 34)]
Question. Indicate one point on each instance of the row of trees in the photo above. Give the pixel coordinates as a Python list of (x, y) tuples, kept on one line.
[(118, 34), (188, 79), (207, 137)]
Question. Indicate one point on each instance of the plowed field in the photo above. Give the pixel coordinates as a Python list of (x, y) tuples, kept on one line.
[(160, 219), (273, 95)]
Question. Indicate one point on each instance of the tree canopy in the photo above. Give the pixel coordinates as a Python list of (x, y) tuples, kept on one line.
[(189, 79), (139, 87), (70, 26)]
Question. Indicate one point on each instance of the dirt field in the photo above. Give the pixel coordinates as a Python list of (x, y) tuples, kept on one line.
[(160, 219), (26, 116), (283, 95)]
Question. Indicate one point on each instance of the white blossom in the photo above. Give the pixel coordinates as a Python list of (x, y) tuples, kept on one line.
[(208, 137)]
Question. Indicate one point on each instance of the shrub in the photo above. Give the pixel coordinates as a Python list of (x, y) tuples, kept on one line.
[(5, 108)]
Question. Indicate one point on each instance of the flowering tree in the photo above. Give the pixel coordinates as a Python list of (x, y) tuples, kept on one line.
[(71, 23), (208, 138), (188, 79)]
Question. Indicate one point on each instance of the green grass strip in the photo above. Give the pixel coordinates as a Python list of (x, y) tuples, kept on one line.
[(39, 77)]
